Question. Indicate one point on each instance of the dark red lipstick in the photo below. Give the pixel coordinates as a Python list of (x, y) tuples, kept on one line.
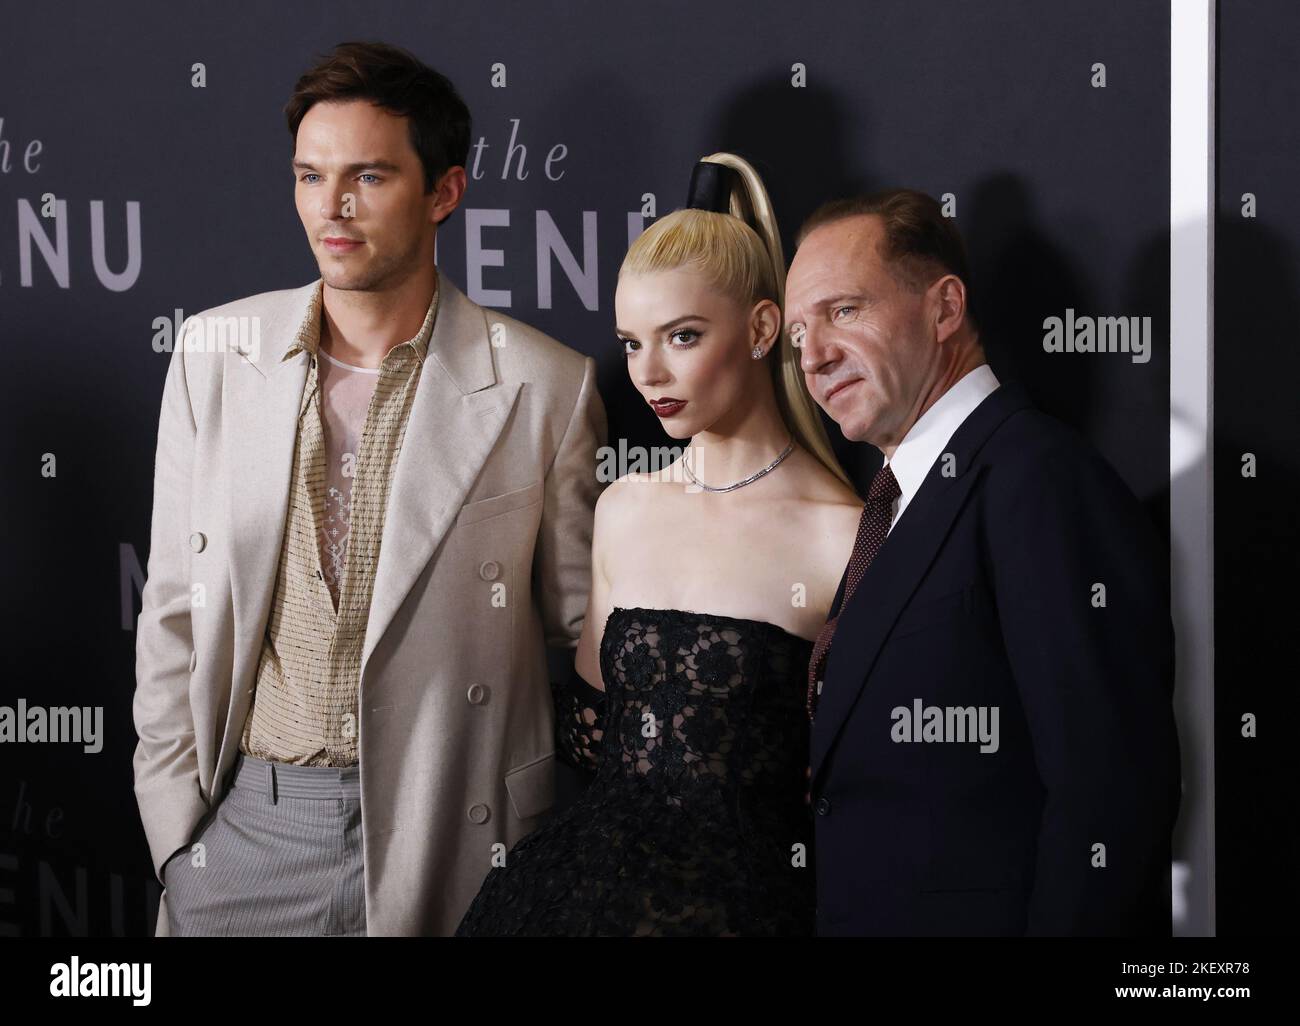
[(667, 406)]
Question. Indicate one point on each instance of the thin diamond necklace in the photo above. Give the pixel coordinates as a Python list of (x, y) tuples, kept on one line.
[(686, 465)]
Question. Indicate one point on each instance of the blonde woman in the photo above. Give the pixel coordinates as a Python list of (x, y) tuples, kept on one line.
[(710, 582)]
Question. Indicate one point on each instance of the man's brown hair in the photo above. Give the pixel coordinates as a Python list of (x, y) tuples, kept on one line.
[(399, 82), (919, 243)]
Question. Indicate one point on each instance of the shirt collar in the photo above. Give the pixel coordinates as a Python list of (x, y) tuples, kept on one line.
[(922, 445), (308, 337)]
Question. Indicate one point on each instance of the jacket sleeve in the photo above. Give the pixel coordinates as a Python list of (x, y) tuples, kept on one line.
[(579, 721), (1079, 573), (562, 561), (165, 761)]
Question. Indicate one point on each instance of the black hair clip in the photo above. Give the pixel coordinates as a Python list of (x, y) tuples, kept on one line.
[(711, 186)]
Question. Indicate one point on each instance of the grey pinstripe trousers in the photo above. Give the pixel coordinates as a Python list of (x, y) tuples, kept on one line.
[(281, 855)]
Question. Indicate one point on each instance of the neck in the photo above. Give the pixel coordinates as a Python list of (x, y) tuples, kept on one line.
[(741, 443), (359, 327), (962, 364)]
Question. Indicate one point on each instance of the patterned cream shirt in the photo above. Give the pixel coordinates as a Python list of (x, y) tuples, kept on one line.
[(304, 708)]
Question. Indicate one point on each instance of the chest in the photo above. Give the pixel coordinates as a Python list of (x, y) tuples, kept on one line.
[(767, 568)]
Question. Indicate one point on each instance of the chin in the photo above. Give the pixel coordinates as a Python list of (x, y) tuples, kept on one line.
[(677, 431), (854, 431), (333, 277), (352, 282)]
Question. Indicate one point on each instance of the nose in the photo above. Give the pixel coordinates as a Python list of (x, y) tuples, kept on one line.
[(651, 369), (332, 202), (815, 353)]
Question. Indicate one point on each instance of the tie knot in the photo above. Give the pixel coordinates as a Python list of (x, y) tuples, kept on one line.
[(884, 486)]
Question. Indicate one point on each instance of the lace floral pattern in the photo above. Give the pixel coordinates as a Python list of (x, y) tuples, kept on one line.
[(334, 537), (579, 719), (694, 823)]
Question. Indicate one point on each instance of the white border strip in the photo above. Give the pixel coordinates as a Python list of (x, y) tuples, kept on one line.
[(1191, 509)]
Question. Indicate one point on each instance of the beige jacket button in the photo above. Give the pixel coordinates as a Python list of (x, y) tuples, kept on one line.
[(198, 540), (478, 813), (194, 660), (477, 694), (489, 570)]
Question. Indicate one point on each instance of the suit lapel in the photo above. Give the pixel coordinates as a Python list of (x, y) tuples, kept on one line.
[(261, 399), (839, 594), (897, 570), (454, 424)]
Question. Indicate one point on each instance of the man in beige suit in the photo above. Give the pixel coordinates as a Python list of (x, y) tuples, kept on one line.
[(371, 515)]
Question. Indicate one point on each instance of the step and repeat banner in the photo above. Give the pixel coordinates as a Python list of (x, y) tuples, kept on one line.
[(145, 176)]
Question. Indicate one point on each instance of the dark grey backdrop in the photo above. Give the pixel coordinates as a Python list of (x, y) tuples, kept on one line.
[(1062, 190), (1257, 411)]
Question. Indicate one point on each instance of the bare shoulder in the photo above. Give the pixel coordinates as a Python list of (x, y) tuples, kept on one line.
[(823, 495), (625, 507), (634, 497), (625, 495)]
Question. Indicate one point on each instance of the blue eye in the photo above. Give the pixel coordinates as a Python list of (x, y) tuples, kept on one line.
[(369, 175), (839, 308), (309, 174)]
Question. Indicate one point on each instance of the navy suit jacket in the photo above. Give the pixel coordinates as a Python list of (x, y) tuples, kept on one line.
[(1023, 575)]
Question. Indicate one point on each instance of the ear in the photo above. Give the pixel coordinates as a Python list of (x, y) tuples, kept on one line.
[(765, 324), (446, 195), (948, 303)]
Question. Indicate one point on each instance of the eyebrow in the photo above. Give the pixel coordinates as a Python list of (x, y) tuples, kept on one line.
[(673, 323), (378, 165), (837, 298)]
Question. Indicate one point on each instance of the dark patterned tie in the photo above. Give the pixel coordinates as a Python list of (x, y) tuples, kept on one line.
[(872, 529)]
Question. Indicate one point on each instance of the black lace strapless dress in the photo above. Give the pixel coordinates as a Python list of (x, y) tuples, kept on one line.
[(695, 823)]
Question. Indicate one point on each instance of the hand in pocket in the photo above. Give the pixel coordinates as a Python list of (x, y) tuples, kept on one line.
[(186, 850), (171, 859)]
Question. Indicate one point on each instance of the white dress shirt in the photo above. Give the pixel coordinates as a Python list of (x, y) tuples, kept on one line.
[(924, 443)]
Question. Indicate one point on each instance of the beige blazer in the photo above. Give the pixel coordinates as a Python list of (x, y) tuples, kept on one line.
[(485, 560)]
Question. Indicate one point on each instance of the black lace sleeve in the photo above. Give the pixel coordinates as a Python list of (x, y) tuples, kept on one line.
[(579, 721)]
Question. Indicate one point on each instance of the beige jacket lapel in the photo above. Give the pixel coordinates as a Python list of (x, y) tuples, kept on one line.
[(455, 421), (261, 400)]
